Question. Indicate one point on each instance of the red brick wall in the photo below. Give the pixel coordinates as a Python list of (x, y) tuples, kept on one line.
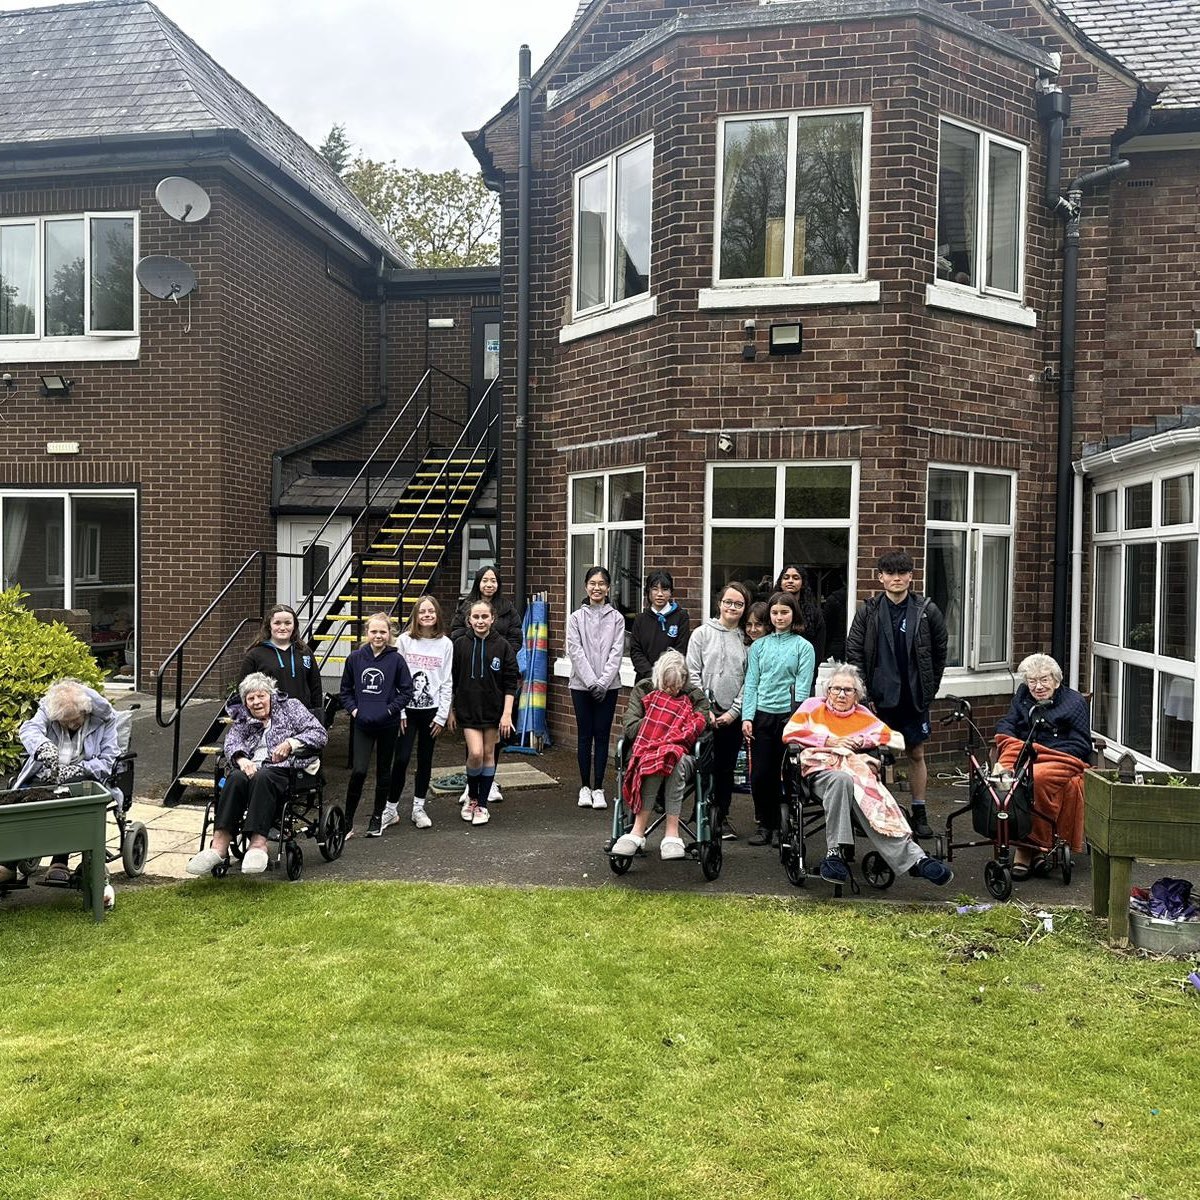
[(907, 383)]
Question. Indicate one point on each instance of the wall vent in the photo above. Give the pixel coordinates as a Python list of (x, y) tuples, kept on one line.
[(1139, 183)]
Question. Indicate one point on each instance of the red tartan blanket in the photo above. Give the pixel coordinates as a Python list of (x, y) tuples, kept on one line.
[(667, 732)]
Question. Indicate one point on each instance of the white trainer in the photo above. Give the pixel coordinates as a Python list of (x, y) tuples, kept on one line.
[(390, 817), (598, 800), (495, 796), (585, 797), (481, 815), (420, 818)]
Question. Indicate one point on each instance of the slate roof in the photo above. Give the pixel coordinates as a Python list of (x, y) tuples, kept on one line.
[(117, 69), (322, 492), (1158, 40)]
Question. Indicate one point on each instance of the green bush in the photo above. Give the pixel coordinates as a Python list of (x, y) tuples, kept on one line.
[(33, 655)]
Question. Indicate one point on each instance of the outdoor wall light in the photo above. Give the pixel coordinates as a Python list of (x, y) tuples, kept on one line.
[(725, 443), (786, 338), (9, 381), (57, 387)]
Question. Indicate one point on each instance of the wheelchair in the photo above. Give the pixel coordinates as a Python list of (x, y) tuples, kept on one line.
[(133, 839), (802, 816), (1001, 808), (302, 814), (702, 842)]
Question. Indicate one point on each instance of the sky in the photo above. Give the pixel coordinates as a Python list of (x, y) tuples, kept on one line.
[(405, 78)]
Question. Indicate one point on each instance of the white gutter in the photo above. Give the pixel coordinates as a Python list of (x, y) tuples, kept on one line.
[(1076, 577), (1147, 447)]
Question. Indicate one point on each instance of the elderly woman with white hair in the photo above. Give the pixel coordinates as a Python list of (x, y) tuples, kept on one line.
[(72, 737), (833, 729), (270, 734), (1064, 744), (663, 719)]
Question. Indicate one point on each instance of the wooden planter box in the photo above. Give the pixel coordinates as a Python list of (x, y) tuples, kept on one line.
[(63, 825), (1124, 821)]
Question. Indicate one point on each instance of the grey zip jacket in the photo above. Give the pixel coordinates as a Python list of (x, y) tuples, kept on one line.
[(716, 659), (596, 643)]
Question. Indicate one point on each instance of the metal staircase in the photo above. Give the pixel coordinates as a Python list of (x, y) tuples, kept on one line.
[(394, 568)]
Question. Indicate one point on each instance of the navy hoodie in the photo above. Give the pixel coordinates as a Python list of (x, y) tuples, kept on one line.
[(379, 687)]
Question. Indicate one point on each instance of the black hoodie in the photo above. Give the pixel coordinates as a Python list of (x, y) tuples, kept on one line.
[(295, 670), (485, 671)]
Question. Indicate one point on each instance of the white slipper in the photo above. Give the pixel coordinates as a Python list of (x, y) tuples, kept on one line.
[(255, 862), (672, 847), (628, 845)]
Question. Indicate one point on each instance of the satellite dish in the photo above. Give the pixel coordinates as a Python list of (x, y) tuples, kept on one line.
[(182, 199), (164, 277)]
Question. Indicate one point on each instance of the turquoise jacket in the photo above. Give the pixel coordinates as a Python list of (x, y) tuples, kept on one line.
[(778, 663)]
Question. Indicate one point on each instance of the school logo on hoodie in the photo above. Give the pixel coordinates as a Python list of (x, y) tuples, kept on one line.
[(372, 682), (496, 663), (672, 631)]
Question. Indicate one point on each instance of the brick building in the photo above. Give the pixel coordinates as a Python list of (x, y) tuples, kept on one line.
[(798, 277), (199, 430)]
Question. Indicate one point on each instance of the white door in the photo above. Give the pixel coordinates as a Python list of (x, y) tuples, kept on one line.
[(317, 565)]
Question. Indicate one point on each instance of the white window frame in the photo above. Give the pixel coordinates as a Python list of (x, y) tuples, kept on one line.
[(71, 549), (779, 523), (609, 313), (976, 531), (485, 526), (845, 288), (979, 299), (91, 345), (1156, 534)]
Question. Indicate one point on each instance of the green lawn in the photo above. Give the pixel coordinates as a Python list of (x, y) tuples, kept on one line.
[(382, 1040)]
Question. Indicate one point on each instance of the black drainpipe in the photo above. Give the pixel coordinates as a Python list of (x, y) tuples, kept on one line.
[(381, 296), (1054, 106), (520, 427)]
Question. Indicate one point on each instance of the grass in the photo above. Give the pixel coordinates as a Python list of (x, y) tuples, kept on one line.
[(376, 1040)]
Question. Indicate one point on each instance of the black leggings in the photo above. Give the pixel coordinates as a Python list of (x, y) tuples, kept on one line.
[(727, 745), (418, 731), (366, 741), (766, 767), (250, 802), (594, 719)]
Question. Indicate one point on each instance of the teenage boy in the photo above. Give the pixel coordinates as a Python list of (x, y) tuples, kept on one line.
[(898, 641)]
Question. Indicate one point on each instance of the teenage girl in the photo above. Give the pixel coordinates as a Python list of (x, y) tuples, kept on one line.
[(595, 643), (485, 687), (757, 620), (797, 582), (507, 623), (376, 689), (280, 653), (429, 654), (779, 674), (716, 660)]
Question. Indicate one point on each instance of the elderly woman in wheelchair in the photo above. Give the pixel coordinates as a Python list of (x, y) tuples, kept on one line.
[(270, 735), (834, 732), (663, 720), (71, 738)]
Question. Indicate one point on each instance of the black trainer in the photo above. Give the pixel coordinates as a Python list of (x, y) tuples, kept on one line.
[(920, 823), (375, 827), (834, 870), (760, 837), (728, 833)]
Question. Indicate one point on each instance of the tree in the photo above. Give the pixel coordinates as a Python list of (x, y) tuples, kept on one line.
[(336, 149), (441, 218)]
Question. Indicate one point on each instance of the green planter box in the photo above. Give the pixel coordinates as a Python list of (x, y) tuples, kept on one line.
[(73, 820), (1154, 820)]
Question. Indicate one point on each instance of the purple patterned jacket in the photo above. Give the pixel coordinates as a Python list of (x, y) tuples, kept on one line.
[(289, 719)]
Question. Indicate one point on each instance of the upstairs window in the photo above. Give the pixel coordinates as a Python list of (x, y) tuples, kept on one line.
[(791, 194), (612, 230), (981, 212), (72, 276)]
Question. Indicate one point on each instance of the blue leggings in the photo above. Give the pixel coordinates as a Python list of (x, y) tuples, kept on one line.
[(594, 719)]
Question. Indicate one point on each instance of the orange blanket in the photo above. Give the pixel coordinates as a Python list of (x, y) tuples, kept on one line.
[(1057, 793)]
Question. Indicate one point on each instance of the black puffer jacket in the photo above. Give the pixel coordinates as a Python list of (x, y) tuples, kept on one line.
[(927, 642)]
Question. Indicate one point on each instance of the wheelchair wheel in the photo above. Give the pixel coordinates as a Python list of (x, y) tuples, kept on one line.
[(1067, 865), (238, 846), (793, 866), (876, 871), (332, 838), (620, 863), (997, 878), (221, 870), (711, 857), (293, 858), (134, 846), (27, 866)]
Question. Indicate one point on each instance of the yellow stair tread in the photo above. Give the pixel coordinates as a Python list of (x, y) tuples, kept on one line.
[(196, 780), (210, 749)]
